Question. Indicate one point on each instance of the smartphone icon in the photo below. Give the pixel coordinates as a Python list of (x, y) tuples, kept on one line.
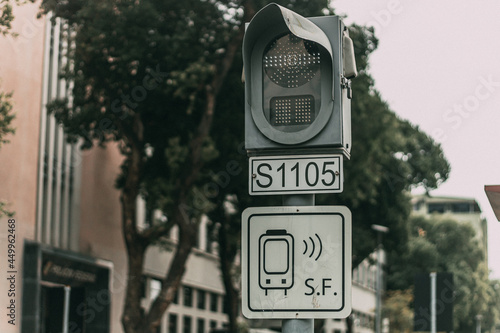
[(276, 248)]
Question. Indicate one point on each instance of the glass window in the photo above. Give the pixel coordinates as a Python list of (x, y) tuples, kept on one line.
[(225, 305), (209, 240), (188, 296), (460, 207), (172, 323), (143, 286), (187, 324), (176, 297), (436, 208), (213, 324), (214, 302), (200, 325), (201, 299)]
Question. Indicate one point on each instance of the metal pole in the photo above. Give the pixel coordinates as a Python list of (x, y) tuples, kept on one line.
[(378, 305), (299, 200), (478, 323), (378, 292), (67, 291), (433, 302), (298, 325)]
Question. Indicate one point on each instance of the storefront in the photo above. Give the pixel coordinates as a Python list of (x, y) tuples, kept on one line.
[(64, 292)]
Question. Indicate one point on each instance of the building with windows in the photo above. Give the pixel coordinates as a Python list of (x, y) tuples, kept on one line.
[(462, 210), (364, 284), (68, 261)]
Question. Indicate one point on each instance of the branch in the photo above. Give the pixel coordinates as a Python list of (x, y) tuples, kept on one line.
[(187, 230), (156, 232)]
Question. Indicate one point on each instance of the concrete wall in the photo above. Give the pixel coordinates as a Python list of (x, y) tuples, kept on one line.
[(21, 61), (100, 220)]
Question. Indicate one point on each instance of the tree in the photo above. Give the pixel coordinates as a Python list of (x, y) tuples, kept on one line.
[(150, 82), (389, 157), (7, 16), (397, 308), (433, 247), (6, 118)]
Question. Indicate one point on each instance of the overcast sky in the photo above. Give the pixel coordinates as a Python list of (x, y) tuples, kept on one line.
[(438, 65)]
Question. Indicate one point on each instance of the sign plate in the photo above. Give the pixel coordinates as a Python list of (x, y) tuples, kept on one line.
[(296, 262), (296, 174)]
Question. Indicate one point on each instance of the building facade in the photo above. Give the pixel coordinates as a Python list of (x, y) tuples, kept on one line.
[(66, 264), (462, 210)]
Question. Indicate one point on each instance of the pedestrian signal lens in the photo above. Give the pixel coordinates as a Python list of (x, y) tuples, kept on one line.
[(290, 61), (292, 110)]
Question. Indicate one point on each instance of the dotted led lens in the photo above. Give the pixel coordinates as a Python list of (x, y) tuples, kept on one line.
[(290, 61), (292, 110)]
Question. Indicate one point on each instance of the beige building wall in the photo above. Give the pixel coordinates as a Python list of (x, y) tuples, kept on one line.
[(21, 72), (21, 61), (98, 210), (100, 220)]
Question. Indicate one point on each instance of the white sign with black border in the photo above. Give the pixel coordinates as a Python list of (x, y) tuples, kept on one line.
[(297, 174), (296, 262)]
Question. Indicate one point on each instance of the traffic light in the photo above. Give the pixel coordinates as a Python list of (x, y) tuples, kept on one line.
[(297, 75)]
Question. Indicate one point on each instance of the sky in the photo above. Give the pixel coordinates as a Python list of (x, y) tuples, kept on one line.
[(438, 66)]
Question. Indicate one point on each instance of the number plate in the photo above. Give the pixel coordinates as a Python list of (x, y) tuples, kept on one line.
[(296, 174)]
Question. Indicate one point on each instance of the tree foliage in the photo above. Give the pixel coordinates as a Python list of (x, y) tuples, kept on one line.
[(6, 118), (444, 245), (397, 308), (390, 156), (7, 15), (162, 78), (147, 75)]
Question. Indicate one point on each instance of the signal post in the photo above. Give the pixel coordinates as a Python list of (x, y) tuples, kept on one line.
[(296, 259)]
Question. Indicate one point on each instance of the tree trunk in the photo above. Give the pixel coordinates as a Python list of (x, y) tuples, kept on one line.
[(172, 281), (135, 246), (226, 263), (135, 321)]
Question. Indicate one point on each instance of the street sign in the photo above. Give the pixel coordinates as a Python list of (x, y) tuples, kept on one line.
[(296, 262), (296, 174)]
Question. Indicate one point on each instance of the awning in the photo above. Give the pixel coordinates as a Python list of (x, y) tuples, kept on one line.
[(493, 194)]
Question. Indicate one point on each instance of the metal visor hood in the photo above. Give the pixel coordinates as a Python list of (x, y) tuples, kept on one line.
[(274, 14)]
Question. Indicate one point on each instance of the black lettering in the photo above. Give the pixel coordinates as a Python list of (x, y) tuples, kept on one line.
[(264, 175), (324, 284), (307, 285), (316, 174), (325, 171)]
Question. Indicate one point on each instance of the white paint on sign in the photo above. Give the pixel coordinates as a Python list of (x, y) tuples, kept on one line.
[(296, 262), (296, 174)]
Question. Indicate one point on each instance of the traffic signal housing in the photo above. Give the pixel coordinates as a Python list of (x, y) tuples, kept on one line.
[(297, 75)]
